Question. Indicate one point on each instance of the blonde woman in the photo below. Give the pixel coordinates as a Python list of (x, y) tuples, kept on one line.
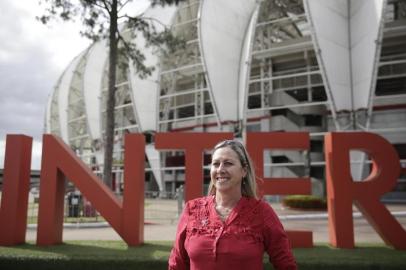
[(230, 228)]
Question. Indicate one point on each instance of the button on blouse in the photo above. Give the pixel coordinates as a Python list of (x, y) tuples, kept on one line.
[(204, 241)]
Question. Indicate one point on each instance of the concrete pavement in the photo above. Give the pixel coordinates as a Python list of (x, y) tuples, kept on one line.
[(162, 221)]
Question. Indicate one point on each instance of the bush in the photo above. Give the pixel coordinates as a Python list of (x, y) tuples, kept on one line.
[(304, 202)]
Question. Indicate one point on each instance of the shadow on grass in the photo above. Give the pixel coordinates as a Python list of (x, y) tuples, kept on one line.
[(366, 256), (86, 255), (102, 255), (99, 249)]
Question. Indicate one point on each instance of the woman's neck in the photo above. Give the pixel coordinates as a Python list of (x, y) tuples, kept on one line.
[(227, 200)]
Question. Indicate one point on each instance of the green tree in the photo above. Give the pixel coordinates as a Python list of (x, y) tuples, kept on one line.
[(100, 19)]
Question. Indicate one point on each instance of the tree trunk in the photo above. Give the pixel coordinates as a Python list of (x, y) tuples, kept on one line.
[(110, 102)]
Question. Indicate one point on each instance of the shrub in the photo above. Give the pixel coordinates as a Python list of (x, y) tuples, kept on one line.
[(304, 202)]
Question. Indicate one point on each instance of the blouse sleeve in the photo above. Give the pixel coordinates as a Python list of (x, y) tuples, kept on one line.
[(179, 259), (276, 241)]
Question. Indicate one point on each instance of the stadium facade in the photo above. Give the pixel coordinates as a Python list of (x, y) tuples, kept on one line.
[(248, 65)]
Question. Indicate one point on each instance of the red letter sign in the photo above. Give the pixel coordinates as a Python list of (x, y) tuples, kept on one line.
[(193, 144), (342, 191), (257, 142), (58, 161), (14, 200)]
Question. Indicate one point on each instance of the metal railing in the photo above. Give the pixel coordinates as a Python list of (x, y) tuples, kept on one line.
[(160, 208)]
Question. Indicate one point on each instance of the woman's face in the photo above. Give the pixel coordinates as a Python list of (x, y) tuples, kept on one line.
[(226, 170)]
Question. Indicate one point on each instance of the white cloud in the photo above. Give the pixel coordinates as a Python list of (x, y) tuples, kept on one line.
[(32, 57), (35, 154), (2, 153)]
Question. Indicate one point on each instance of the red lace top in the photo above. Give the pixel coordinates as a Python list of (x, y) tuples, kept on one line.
[(204, 241)]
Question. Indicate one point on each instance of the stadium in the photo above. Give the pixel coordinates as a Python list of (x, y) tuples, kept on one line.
[(249, 65)]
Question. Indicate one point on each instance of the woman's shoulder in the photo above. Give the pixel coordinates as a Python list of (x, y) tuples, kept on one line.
[(255, 202), (199, 202), (258, 205)]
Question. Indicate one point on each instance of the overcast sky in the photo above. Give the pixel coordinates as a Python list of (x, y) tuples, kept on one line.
[(32, 57)]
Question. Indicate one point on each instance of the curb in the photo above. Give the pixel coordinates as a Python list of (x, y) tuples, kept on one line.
[(320, 216)]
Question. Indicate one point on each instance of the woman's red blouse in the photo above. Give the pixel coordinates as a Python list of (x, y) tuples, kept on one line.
[(204, 241)]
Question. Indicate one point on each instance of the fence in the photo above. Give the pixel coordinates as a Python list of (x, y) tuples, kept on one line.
[(160, 208)]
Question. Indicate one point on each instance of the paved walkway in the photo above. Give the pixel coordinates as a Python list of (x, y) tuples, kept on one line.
[(163, 226)]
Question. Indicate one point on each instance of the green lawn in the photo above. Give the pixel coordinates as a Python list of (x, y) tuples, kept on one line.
[(102, 255)]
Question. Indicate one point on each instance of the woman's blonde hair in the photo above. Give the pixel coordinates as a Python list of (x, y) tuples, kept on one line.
[(248, 183)]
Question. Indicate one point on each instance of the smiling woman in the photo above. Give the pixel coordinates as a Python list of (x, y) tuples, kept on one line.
[(230, 228), (227, 174), (234, 155)]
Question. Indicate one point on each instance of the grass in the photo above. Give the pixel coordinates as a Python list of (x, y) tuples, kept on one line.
[(365, 256), (85, 255), (153, 255), (34, 220)]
